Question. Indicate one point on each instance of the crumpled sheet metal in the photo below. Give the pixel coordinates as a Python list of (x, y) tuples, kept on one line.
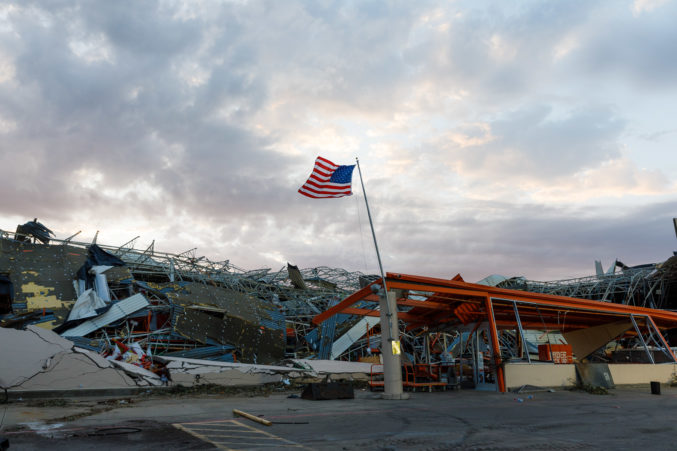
[(38, 359), (86, 306), (117, 311)]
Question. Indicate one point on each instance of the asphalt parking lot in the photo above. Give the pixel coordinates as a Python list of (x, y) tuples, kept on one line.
[(627, 418)]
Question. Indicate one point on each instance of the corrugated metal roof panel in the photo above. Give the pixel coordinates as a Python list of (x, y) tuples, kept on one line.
[(276, 320), (355, 333), (117, 311)]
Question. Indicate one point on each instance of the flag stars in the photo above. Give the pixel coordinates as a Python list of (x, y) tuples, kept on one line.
[(344, 174)]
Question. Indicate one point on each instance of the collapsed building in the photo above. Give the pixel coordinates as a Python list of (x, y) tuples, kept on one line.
[(652, 285), (174, 305), (93, 294), (118, 301)]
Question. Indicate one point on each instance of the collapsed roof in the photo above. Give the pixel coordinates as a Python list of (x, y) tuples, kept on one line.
[(178, 305)]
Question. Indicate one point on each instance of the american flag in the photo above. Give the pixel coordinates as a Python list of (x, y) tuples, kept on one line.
[(328, 180)]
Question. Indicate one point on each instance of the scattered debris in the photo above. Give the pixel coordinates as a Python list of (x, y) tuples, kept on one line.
[(594, 375), (85, 315), (249, 416), (177, 305), (592, 389), (532, 389)]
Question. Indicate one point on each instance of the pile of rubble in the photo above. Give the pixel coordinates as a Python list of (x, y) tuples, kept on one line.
[(128, 317)]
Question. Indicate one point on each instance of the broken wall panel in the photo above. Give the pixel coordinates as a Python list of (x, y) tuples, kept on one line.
[(256, 344), (39, 359), (42, 276), (194, 372), (586, 341), (255, 327)]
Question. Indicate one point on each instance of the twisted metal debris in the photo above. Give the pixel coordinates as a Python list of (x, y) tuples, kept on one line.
[(196, 307)]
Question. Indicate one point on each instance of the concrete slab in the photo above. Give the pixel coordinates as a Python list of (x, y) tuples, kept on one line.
[(194, 364), (141, 376), (25, 353), (337, 369), (334, 366), (190, 372), (37, 359), (73, 371)]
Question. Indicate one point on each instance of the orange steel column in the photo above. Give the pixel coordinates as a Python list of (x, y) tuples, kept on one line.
[(495, 345)]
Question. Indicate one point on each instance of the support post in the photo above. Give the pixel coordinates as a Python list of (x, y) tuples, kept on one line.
[(665, 343), (460, 357), (641, 338), (496, 350), (475, 345), (392, 367), (525, 347)]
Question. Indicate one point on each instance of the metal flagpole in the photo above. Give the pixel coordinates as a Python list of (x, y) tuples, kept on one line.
[(392, 373), (373, 234)]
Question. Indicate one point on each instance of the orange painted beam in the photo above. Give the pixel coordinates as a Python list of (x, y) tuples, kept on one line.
[(347, 302), (431, 284), (459, 291), (536, 309), (424, 304), (360, 311), (665, 343), (495, 346), (367, 312)]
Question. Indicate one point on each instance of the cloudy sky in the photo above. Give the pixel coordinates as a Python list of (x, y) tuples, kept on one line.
[(519, 138)]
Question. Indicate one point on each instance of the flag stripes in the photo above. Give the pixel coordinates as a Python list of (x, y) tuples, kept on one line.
[(328, 180)]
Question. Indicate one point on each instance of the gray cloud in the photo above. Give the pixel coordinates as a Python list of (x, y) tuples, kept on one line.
[(87, 120), (174, 116), (638, 49), (536, 241), (533, 143)]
